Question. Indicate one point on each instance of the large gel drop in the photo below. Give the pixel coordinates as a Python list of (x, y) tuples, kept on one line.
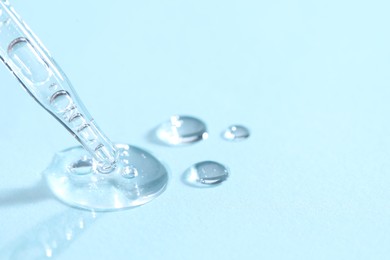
[(138, 178), (182, 130), (236, 133), (206, 174)]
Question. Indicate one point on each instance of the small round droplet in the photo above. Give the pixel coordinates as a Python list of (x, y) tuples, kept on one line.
[(236, 133), (182, 130), (129, 172), (206, 174)]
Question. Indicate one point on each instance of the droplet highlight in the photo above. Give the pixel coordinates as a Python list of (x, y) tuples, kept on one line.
[(182, 130), (206, 174), (236, 133)]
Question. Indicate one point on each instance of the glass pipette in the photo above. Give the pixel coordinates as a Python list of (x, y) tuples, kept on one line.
[(127, 175)]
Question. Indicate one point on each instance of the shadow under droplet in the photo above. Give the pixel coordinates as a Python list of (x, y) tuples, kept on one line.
[(25, 195)]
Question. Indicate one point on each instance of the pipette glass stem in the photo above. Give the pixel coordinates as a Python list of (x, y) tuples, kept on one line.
[(26, 57)]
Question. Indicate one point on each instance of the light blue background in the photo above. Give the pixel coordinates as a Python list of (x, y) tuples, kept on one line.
[(309, 78)]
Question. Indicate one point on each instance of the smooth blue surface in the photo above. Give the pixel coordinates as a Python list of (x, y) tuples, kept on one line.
[(309, 78)]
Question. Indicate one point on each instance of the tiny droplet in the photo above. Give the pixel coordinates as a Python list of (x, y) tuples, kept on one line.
[(129, 172), (236, 133)]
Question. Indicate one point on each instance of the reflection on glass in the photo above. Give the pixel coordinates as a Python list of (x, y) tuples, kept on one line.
[(49, 238)]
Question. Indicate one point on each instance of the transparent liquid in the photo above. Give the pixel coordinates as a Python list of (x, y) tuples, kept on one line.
[(138, 178), (236, 133), (182, 130), (206, 174)]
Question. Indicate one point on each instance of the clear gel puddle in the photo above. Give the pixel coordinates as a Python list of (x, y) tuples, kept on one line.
[(236, 133), (206, 174), (182, 130), (138, 178)]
